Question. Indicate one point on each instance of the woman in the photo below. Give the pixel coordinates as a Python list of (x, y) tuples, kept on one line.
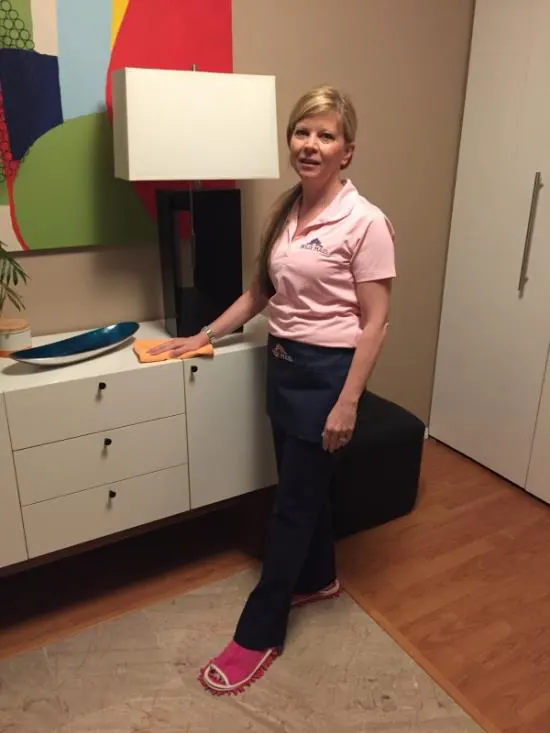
[(325, 269)]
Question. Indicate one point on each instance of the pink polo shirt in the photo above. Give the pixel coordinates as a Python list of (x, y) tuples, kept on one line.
[(314, 275)]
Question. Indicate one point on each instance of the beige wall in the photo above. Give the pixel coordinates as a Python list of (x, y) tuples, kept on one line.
[(88, 288), (404, 62)]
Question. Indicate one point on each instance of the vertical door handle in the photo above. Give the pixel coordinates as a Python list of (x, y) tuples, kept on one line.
[(523, 278)]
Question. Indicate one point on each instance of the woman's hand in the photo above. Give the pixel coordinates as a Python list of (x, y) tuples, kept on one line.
[(178, 347), (339, 426)]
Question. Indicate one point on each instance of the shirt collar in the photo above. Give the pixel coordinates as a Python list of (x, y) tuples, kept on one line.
[(339, 208)]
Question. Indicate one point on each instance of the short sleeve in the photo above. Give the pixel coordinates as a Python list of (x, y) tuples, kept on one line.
[(374, 258)]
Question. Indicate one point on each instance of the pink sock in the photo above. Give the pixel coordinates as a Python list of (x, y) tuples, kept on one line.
[(237, 663)]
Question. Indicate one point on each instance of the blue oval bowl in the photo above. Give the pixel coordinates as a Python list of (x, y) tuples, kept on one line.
[(98, 338)]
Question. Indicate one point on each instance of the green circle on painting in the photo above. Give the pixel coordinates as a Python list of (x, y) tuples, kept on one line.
[(66, 195)]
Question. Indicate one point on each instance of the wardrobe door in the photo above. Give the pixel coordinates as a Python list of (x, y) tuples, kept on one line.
[(538, 477), (495, 324)]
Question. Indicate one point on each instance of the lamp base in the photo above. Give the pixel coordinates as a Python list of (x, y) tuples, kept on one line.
[(193, 311), (215, 271)]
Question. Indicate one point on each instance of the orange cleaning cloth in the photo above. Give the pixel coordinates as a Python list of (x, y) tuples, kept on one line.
[(142, 346)]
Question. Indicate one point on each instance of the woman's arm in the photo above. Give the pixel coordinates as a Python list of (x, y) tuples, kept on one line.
[(374, 302), (250, 303)]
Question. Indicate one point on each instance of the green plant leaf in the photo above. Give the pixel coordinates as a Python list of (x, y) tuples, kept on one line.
[(11, 274)]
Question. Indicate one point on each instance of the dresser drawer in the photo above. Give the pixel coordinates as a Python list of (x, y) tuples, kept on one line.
[(63, 410), (66, 467), (91, 514)]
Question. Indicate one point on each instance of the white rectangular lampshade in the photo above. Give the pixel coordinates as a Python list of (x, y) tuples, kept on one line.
[(194, 126)]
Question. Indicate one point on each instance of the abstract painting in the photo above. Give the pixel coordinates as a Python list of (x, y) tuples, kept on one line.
[(57, 187)]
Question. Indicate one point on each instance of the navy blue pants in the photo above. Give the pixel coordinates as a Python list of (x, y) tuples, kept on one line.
[(299, 554)]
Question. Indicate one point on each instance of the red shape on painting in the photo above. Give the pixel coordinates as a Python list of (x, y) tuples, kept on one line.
[(10, 167), (172, 34)]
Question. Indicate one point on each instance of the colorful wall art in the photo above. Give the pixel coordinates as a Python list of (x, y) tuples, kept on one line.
[(57, 188)]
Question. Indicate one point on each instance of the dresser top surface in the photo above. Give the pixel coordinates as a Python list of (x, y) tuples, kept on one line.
[(16, 375)]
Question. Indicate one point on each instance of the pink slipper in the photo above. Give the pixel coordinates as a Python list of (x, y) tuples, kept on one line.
[(235, 669), (331, 591)]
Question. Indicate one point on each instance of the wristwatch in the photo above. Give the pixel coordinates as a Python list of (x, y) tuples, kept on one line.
[(210, 334)]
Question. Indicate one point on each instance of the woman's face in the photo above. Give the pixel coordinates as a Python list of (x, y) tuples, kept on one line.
[(318, 150)]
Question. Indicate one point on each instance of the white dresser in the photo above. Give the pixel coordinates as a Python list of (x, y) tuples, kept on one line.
[(99, 447)]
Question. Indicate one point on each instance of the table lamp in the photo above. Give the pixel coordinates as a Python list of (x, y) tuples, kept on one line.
[(194, 126)]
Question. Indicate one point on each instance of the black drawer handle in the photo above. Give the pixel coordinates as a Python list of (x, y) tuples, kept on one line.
[(107, 441), (101, 386), (194, 369), (112, 494)]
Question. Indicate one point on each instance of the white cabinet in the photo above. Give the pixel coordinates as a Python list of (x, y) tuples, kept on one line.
[(99, 447), (495, 324), (229, 438), (12, 538)]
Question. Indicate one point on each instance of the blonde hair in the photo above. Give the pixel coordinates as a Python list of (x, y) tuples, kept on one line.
[(320, 100)]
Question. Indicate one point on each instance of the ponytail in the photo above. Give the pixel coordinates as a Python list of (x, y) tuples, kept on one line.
[(273, 229)]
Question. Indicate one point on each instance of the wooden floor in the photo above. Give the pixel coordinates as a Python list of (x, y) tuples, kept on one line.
[(463, 584)]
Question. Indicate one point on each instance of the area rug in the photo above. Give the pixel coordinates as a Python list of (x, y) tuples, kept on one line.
[(339, 673)]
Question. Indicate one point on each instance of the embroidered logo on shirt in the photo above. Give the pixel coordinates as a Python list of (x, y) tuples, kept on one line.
[(279, 352), (316, 246)]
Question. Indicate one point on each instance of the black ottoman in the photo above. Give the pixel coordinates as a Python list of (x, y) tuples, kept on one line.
[(378, 472)]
